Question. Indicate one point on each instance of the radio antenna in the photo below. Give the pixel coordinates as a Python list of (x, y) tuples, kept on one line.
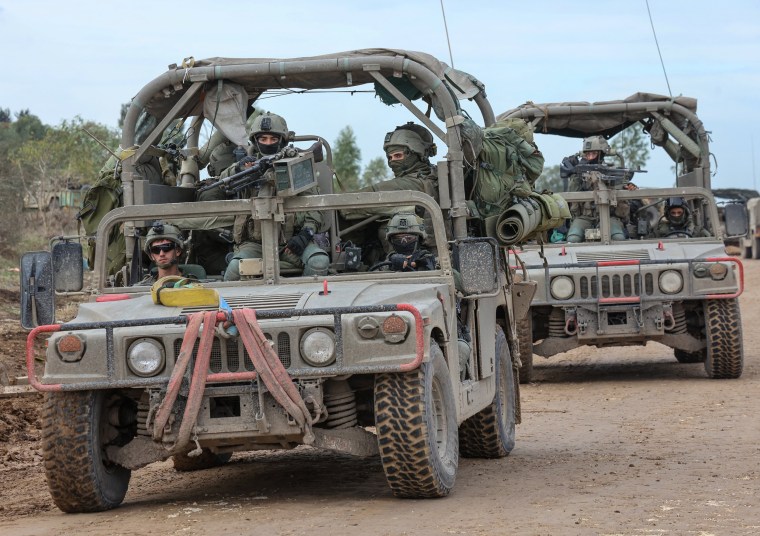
[(446, 27), (658, 49)]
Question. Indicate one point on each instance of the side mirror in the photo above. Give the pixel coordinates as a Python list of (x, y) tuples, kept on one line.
[(37, 291), (735, 215), (477, 262), (67, 266)]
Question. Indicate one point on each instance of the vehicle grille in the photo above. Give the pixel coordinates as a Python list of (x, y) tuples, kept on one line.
[(615, 285), (273, 301), (226, 353), (595, 256)]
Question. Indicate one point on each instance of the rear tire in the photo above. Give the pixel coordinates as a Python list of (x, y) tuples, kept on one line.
[(490, 433), (725, 350), (755, 248), (416, 425), (75, 434)]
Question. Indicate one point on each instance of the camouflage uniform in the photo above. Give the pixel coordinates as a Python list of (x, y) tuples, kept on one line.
[(413, 172), (313, 260), (585, 214)]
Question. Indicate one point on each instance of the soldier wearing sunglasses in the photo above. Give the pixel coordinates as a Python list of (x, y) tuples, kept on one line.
[(164, 247)]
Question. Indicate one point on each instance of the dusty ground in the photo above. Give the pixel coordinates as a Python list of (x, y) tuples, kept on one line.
[(614, 442)]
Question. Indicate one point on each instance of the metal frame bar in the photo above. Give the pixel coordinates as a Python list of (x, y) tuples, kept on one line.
[(335, 312)]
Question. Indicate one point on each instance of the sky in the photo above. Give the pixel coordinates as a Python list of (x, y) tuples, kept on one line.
[(86, 58)]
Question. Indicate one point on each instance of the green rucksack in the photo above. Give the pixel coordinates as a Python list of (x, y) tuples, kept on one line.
[(104, 196), (508, 165)]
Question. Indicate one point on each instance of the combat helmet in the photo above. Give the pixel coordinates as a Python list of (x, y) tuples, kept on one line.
[(596, 143), (163, 231), (414, 137), (405, 231), (677, 202), (269, 123)]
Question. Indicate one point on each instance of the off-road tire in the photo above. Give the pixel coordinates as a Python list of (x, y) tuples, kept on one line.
[(690, 357), (74, 428), (525, 337), (490, 433), (416, 426), (755, 248), (206, 460), (725, 351)]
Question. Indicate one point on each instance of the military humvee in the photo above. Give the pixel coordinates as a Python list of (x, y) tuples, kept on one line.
[(319, 360), (680, 289)]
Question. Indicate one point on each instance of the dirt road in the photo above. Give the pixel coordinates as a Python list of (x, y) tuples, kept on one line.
[(613, 442)]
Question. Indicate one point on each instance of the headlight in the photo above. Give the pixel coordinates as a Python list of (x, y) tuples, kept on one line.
[(671, 282), (318, 347), (562, 288), (146, 357)]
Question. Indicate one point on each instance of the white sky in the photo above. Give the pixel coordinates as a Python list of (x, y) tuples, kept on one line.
[(87, 57)]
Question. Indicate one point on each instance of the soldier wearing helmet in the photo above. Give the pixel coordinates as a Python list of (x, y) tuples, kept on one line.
[(270, 134), (408, 149), (585, 216), (406, 234), (678, 221), (164, 246)]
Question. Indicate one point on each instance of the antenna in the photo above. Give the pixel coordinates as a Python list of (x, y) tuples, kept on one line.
[(752, 145), (446, 27), (90, 134), (658, 49)]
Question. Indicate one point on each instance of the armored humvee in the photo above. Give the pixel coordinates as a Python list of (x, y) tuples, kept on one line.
[(680, 289), (361, 362)]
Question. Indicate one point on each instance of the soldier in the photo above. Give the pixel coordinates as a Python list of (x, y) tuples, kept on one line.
[(585, 214), (164, 247), (408, 149), (678, 222), (269, 134), (406, 235)]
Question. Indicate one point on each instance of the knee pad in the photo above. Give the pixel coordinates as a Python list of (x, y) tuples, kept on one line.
[(317, 264)]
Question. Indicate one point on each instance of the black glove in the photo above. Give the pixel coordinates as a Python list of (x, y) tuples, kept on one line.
[(243, 161), (567, 167), (397, 261), (297, 244)]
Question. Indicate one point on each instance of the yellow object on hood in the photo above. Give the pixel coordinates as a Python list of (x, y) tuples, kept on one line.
[(178, 291)]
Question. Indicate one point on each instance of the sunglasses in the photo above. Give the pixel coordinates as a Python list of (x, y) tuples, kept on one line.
[(166, 248)]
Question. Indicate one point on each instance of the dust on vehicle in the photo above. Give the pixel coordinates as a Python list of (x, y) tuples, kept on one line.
[(654, 282), (365, 362)]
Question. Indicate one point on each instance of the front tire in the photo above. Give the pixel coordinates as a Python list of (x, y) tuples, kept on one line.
[(490, 433), (416, 425), (725, 350), (75, 433)]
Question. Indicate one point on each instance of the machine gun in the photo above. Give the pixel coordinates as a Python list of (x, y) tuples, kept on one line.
[(611, 176), (250, 176), (293, 172)]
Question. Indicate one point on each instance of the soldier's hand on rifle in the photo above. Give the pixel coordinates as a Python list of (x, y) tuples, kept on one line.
[(398, 262), (297, 244), (245, 162)]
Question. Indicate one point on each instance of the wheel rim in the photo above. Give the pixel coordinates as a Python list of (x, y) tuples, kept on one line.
[(501, 406)]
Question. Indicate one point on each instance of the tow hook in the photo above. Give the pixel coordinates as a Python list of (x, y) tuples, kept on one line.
[(669, 323), (571, 326)]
